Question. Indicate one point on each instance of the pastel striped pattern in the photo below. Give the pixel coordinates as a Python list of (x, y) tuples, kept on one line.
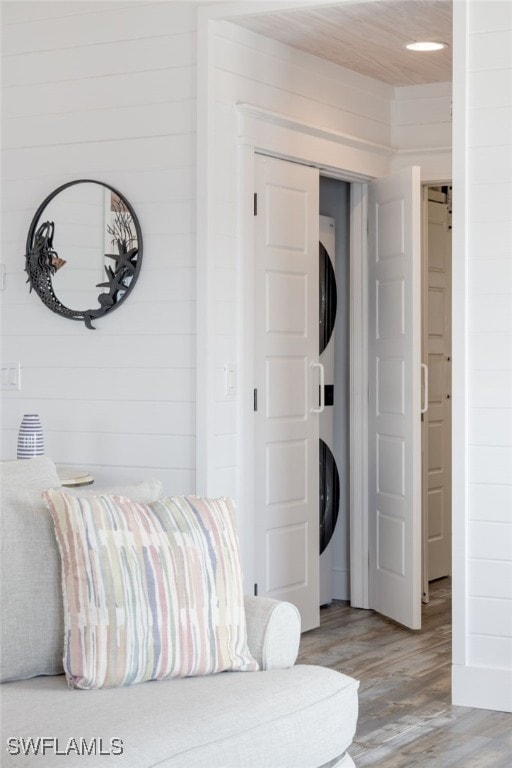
[(151, 591)]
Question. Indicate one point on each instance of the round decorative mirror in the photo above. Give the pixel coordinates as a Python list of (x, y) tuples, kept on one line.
[(85, 236)]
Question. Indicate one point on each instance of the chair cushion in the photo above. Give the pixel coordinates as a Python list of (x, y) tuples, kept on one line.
[(151, 591), (301, 717), (32, 621)]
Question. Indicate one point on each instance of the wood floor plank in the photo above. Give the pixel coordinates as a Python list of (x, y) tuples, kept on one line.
[(406, 719)]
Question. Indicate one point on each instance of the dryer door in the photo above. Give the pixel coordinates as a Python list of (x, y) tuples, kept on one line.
[(329, 495), (327, 296)]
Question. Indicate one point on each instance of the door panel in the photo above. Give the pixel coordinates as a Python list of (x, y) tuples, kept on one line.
[(286, 342), (394, 397), (438, 417)]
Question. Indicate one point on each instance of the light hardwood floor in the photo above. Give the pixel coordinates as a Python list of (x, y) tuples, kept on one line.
[(405, 715)]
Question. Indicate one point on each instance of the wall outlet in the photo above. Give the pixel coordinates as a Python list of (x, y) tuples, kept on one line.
[(10, 376)]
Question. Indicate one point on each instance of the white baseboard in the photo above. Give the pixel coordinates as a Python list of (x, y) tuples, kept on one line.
[(482, 687), (340, 584)]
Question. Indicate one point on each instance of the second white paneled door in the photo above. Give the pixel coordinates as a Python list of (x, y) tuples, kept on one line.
[(394, 438), (287, 377)]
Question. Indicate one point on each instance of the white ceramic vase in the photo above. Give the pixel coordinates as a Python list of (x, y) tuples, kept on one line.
[(30, 437)]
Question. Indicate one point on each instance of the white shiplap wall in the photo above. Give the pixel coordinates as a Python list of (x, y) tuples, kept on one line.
[(104, 90), (422, 130), (483, 619), (356, 123), (248, 69)]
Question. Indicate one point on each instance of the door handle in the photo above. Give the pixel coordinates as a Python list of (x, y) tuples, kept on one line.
[(321, 407), (424, 370)]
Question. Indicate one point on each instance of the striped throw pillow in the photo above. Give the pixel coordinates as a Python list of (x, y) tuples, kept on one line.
[(151, 591)]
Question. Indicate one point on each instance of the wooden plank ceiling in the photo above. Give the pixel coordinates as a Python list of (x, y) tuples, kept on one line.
[(367, 36)]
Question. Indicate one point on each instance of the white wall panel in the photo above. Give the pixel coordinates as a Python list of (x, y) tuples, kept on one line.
[(172, 50), (138, 154), (490, 502), (490, 542), (105, 90), (490, 426), (260, 60), (490, 464), (127, 383), (483, 619), (226, 449), (492, 203), (492, 15), (489, 651), (76, 416), (490, 616), (492, 313), (124, 89), (225, 319), (490, 275), (490, 388), (491, 165), (422, 125), (492, 350), (423, 136), (14, 12), (279, 99), (489, 241), (99, 23), (103, 124), (490, 577), (482, 97), (177, 452), (490, 126), (226, 418), (149, 318), (490, 50)]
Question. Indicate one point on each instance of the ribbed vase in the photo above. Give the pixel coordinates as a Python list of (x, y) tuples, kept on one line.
[(30, 437)]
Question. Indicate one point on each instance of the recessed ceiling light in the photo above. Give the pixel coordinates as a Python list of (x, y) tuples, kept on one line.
[(426, 45)]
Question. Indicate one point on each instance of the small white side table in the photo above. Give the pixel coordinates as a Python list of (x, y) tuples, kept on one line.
[(72, 477)]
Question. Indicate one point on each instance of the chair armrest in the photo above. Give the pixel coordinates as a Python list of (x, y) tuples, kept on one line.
[(273, 632)]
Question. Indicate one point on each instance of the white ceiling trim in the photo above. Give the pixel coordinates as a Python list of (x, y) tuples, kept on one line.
[(311, 129)]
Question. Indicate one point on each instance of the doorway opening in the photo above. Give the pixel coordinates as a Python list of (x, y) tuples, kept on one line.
[(436, 361), (334, 464), (297, 390)]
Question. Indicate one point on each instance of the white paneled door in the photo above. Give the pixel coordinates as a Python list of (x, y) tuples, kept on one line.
[(394, 342), (287, 378)]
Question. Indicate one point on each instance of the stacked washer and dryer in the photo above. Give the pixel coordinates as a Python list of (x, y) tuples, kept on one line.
[(329, 475)]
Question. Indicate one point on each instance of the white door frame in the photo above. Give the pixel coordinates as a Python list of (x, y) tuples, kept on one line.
[(278, 134), (358, 398)]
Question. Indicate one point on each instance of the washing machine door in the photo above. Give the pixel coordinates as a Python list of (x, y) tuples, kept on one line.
[(329, 495), (328, 297)]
